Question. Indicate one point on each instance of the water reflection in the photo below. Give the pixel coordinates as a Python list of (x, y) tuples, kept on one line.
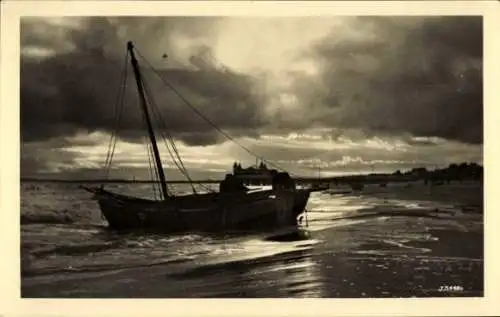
[(366, 245), (277, 265), (291, 274)]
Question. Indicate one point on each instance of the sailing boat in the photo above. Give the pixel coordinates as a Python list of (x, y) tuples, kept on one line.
[(232, 208)]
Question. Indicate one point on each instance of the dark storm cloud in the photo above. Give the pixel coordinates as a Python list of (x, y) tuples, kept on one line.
[(75, 90), (378, 74), (421, 75), (43, 158)]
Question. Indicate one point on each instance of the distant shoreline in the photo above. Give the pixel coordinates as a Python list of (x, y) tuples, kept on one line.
[(121, 181), (365, 179), (454, 172)]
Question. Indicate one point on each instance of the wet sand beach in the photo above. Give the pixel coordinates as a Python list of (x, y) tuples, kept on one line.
[(399, 241)]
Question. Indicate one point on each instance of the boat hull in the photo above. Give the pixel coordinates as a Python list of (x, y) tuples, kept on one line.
[(207, 212)]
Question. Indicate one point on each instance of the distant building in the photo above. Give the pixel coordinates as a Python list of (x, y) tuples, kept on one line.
[(419, 172), (258, 174)]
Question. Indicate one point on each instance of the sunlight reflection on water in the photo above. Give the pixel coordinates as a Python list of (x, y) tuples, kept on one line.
[(346, 234)]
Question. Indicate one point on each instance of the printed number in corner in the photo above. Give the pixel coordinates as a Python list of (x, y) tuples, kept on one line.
[(450, 288)]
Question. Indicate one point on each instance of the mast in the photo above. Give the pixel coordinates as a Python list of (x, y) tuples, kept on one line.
[(152, 138)]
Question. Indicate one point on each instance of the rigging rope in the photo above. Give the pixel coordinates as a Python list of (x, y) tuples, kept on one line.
[(118, 110), (229, 137), (151, 168), (149, 150), (119, 105), (177, 158), (155, 112)]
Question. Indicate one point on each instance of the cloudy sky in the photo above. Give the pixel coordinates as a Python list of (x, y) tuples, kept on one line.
[(347, 94)]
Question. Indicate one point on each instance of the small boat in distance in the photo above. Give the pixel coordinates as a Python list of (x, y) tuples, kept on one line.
[(233, 207)]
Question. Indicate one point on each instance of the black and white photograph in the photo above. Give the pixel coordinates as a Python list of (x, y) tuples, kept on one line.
[(232, 156)]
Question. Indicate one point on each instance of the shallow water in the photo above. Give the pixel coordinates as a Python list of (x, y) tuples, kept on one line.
[(398, 241)]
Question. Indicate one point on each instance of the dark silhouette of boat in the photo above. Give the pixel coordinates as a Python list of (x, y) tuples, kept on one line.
[(233, 207)]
